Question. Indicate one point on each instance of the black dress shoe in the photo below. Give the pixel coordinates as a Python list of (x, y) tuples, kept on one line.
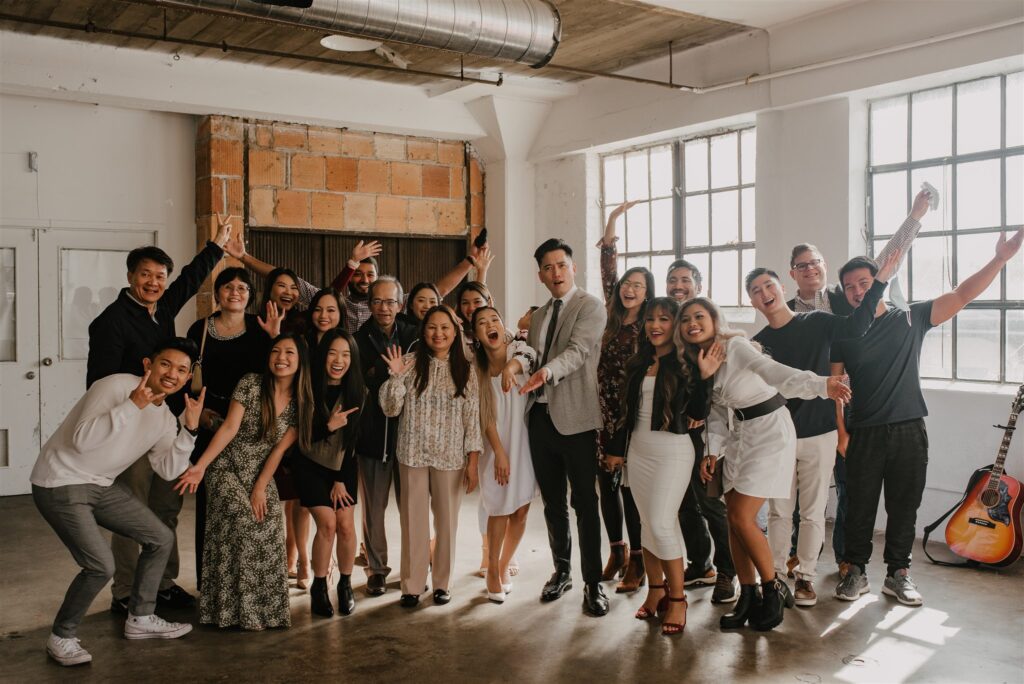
[(119, 606), (409, 601), (594, 600), (346, 599), (319, 601), (376, 585), (175, 597), (442, 596), (559, 583)]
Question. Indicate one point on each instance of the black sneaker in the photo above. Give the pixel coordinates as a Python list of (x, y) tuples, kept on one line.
[(175, 598), (726, 589), (119, 606)]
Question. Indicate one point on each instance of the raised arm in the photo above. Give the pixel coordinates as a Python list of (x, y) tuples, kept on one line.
[(948, 305), (196, 271), (450, 280), (609, 251), (904, 236), (361, 250)]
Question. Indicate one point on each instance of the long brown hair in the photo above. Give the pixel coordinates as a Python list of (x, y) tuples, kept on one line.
[(458, 364), (302, 393), (639, 363), (723, 331), (617, 312), (488, 408)]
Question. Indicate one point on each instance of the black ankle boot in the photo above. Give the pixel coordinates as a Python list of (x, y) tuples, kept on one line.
[(747, 607), (319, 601), (776, 598), (346, 599)]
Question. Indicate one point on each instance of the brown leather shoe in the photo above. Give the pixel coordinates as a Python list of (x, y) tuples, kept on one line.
[(791, 565), (618, 559), (635, 576)]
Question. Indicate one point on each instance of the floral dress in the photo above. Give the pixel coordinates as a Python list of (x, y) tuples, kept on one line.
[(245, 575)]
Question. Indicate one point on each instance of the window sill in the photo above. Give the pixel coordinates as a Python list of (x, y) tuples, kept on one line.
[(937, 385), (740, 314)]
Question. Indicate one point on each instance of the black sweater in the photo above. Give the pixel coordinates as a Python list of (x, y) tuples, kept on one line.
[(378, 434)]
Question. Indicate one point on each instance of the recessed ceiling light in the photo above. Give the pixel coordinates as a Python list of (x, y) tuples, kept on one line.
[(347, 44)]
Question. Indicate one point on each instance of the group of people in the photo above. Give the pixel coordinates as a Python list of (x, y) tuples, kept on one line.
[(647, 410)]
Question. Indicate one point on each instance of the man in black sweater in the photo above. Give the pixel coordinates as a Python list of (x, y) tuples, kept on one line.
[(122, 335)]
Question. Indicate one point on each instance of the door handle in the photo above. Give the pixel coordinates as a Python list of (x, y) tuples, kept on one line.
[(47, 361), (31, 375)]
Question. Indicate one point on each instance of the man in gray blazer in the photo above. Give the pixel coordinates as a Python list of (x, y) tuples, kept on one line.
[(563, 416)]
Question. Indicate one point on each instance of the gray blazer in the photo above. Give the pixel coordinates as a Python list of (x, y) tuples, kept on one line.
[(572, 360)]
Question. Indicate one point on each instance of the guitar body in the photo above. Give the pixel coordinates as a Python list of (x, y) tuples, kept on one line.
[(986, 527)]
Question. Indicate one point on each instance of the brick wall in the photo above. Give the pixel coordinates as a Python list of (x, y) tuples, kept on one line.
[(275, 175)]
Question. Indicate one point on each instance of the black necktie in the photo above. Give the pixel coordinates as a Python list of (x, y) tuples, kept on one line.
[(550, 336)]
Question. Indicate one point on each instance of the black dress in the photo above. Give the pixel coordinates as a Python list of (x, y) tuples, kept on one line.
[(313, 480)]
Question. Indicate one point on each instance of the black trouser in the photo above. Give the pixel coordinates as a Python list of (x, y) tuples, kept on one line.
[(616, 504), (558, 458), (893, 457), (702, 518)]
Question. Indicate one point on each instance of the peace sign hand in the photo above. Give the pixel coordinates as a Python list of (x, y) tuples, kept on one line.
[(142, 396), (393, 357), (223, 230), (193, 409), (339, 418), (272, 324)]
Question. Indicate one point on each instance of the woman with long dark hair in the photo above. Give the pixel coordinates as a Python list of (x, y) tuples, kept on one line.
[(435, 391), (245, 581), (422, 298), (470, 296), (326, 312)]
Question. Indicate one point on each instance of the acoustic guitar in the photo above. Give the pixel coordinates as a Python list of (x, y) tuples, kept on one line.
[(986, 527)]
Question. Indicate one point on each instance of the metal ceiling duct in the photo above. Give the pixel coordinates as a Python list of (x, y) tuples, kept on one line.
[(525, 31)]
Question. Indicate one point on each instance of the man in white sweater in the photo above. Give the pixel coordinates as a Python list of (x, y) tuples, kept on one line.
[(120, 419)]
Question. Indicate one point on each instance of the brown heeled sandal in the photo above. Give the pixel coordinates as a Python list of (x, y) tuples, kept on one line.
[(644, 614), (673, 628)]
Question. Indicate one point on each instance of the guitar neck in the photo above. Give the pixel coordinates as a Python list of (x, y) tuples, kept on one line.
[(1004, 446)]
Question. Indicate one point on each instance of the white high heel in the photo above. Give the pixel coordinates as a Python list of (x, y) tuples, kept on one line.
[(498, 597)]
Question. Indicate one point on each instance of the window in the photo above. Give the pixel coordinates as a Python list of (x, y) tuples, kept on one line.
[(966, 139), (696, 202)]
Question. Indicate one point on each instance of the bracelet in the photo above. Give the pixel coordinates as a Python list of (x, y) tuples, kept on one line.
[(471, 260)]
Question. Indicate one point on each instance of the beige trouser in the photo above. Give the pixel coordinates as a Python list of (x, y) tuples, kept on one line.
[(425, 490), (159, 496)]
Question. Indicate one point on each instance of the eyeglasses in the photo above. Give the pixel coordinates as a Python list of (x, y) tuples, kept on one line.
[(240, 289), (389, 303), (804, 265), (635, 287)]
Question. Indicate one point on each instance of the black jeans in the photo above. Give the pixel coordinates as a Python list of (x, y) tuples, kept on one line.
[(614, 506), (558, 459), (702, 518), (892, 458)]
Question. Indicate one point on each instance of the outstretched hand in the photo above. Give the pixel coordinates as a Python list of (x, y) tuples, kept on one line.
[(272, 323), (393, 357), (838, 389), (710, 360), (189, 480), (535, 381), (339, 418), (1006, 249), (887, 269), (142, 396), (608, 239), (922, 201), (365, 250)]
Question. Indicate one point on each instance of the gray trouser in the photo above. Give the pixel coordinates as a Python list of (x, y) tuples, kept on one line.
[(375, 477), (76, 513), (158, 494)]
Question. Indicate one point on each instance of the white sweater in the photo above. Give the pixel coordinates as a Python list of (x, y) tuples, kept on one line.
[(106, 432)]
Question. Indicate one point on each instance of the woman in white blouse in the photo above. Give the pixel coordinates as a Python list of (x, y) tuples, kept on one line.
[(750, 428), (435, 391)]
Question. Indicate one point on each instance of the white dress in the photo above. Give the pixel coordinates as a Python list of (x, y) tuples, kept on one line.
[(658, 464), (760, 453)]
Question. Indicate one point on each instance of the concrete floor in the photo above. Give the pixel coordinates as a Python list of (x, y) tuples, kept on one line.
[(971, 629)]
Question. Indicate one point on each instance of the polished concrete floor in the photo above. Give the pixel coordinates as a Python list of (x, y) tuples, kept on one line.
[(971, 629)]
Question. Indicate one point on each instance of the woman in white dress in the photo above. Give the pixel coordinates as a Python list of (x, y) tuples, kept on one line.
[(507, 482), (750, 430), (663, 395)]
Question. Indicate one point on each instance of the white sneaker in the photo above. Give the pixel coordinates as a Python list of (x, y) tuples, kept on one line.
[(67, 651), (154, 627)]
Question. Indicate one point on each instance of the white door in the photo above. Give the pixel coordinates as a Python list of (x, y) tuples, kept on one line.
[(19, 359)]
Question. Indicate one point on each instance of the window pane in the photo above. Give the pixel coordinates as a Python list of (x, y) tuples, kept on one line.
[(90, 280), (977, 194), (932, 124), (1015, 278), (931, 263), (696, 220), (700, 260), (942, 178), (748, 214), (8, 322), (978, 119), (977, 344), (889, 131), (659, 267), (634, 261), (748, 154), (973, 252), (1015, 109), (724, 160), (695, 155), (888, 201), (620, 265), (638, 228), (725, 278), (1015, 190), (937, 352), (661, 224), (725, 217), (636, 175), (613, 180), (1015, 346), (661, 171), (747, 265)]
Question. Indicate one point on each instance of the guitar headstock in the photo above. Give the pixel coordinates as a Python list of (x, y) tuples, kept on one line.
[(1018, 401)]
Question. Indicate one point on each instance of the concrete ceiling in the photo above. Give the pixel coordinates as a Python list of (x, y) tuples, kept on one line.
[(759, 13)]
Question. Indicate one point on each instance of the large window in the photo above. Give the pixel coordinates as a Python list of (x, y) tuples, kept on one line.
[(696, 202), (966, 139)]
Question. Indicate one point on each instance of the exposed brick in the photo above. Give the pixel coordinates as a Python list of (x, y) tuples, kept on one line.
[(452, 154), (389, 146), (355, 144), (451, 218), (328, 211), (342, 174), (360, 212), (325, 140), (205, 190), (226, 127), (476, 210), (406, 179), (458, 189), (234, 196), (292, 208), (261, 207), (422, 216), (289, 137), (422, 150), (392, 214), (373, 176), (266, 167), (225, 157), (436, 181), (476, 176), (307, 171), (265, 136), (203, 158)]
